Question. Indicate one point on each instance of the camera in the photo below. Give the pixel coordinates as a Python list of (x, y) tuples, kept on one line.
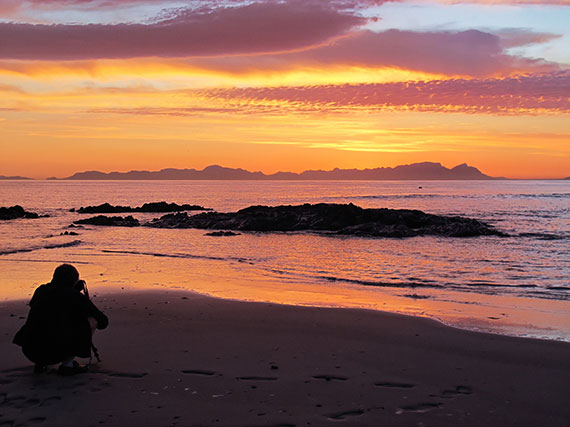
[(80, 285)]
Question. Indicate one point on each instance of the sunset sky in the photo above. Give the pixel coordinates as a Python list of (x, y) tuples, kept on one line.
[(290, 85)]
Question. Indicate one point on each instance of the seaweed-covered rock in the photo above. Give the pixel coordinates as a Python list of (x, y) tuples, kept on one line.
[(345, 219), (147, 207), (15, 212), (115, 221)]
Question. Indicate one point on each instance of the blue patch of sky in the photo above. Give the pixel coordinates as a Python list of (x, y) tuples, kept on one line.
[(85, 13), (81, 14), (489, 18)]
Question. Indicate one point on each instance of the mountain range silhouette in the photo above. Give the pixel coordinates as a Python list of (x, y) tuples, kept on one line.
[(415, 171)]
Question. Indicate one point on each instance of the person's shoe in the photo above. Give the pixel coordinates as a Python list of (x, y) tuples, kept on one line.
[(67, 371), (39, 369)]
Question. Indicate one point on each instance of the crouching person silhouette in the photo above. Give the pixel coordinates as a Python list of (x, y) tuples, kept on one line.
[(60, 323)]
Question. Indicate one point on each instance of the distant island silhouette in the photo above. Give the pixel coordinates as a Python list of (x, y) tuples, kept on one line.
[(415, 171), (13, 177)]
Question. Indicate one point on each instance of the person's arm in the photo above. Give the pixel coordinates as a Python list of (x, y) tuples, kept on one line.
[(93, 311)]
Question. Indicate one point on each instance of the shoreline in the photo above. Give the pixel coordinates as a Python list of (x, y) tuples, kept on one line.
[(479, 315), (173, 357)]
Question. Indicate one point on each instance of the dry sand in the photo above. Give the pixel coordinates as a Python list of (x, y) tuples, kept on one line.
[(179, 359)]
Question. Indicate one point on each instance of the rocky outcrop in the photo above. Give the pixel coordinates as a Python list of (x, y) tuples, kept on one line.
[(331, 219), (116, 221), (15, 212), (155, 207)]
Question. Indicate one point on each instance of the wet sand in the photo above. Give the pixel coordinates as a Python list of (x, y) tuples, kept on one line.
[(173, 358)]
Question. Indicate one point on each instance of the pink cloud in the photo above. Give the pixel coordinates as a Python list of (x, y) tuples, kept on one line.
[(517, 37), (250, 29), (468, 53), (539, 93), (464, 53), (274, 35)]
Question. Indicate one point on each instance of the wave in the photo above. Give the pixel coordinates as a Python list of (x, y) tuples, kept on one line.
[(544, 236), (402, 196), (186, 256), (417, 283), (494, 285), (556, 296), (379, 284), (37, 248), (488, 288), (465, 196), (534, 196), (559, 288)]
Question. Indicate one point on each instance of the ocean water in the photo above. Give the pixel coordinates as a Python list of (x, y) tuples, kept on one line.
[(517, 285)]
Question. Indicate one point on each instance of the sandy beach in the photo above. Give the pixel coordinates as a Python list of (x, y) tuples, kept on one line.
[(173, 358)]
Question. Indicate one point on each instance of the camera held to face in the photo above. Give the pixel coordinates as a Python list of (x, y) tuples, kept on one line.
[(80, 285)]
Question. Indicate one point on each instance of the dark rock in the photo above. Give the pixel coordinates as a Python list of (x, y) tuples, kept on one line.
[(147, 207), (331, 219), (69, 233), (15, 212), (104, 208), (169, 207), (222, 233), (115, 221)]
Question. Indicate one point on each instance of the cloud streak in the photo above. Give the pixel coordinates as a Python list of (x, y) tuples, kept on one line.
[(534, 94)]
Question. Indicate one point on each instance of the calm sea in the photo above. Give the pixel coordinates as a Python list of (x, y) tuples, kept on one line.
[(517, 285)]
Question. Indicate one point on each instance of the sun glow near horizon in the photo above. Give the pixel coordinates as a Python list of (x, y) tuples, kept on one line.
[(333, 93)]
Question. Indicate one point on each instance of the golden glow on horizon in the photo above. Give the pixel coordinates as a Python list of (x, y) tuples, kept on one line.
[(100, 113), (500, 146), (152, 75)]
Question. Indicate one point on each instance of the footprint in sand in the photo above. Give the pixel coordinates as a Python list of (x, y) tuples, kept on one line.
[(199, 372), (12, 370), (50, 400), (458, 391), (345, 414), (420, 407), (330, 377), (33, 421), (391, 384), (30, 403), (127, 374), (14, 401)]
